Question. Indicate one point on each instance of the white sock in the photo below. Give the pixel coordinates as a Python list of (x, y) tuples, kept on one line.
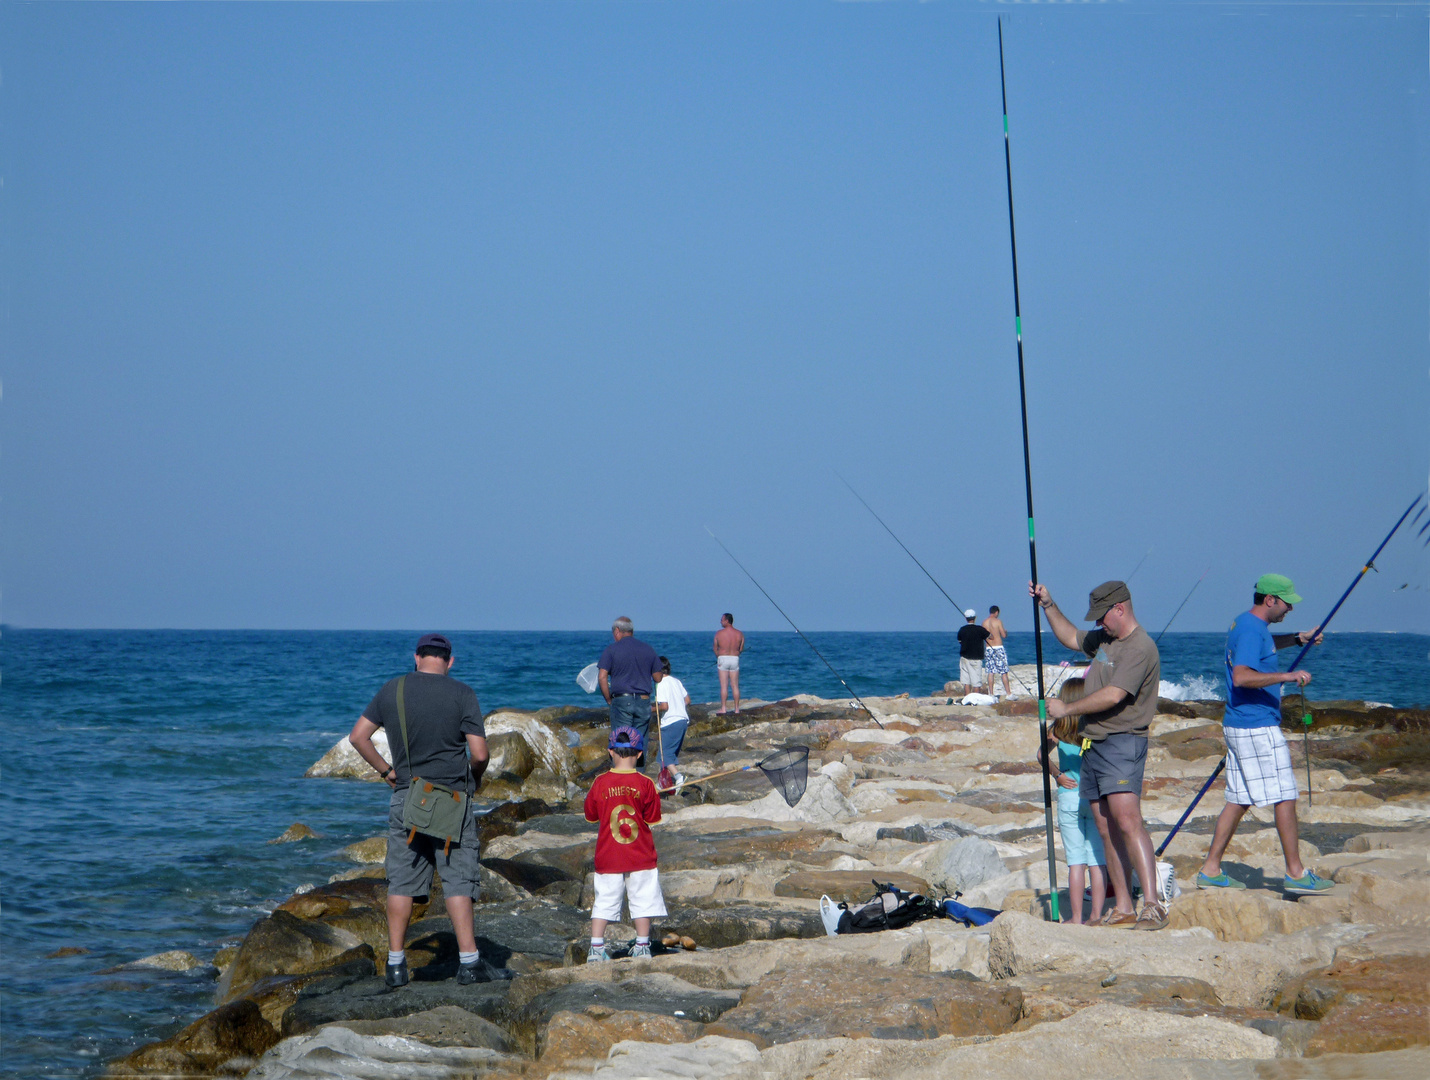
[(597, 942), (643, 940), (395, 958), (468, 957)]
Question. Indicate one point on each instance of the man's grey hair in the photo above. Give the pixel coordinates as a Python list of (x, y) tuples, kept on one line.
[(624, 625)]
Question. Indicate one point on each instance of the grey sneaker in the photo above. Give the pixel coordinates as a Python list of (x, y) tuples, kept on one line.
[(1309, 885), (396, 974), (639, 951), (598, 952), (479, 971)]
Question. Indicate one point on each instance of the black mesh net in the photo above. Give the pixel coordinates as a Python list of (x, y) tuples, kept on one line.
[(788, 771)]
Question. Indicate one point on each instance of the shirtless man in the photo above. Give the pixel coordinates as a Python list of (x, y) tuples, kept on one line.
[(995, 652), (729, 644)]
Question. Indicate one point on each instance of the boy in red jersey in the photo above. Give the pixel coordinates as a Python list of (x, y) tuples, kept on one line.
[(625, 803)]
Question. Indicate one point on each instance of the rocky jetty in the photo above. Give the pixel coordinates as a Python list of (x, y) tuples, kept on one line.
[(936, 798)]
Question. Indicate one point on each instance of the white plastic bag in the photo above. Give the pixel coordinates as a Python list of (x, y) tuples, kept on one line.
[(588, 680), (829, 911)]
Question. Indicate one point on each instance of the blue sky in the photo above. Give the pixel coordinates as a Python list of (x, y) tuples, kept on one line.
[(475, 316)]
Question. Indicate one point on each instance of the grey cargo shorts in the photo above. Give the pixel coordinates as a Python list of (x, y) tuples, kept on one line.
[(1112, 765), (409, 869)]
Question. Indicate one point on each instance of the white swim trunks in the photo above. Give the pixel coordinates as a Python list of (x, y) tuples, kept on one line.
[(727, 663), (640, 889)]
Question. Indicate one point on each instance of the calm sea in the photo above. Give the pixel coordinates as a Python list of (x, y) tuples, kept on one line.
[(149, 768)]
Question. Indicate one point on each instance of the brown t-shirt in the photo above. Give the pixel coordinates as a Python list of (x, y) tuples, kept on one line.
[(1131, 664)]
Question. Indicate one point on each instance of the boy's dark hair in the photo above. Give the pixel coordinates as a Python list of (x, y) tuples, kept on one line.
[(435, 650), (664, 666), (626, 752)]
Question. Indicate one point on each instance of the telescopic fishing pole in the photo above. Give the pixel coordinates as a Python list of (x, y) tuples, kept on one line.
[(1369, 565), (957, 606), (797, 630), (1028, 487), (1182, 605)]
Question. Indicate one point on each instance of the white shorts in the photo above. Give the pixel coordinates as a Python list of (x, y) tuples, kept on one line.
[(1258, 767), (970, 671), (727, 663), (641, 889)]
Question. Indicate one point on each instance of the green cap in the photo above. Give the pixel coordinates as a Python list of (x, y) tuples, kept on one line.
[(1103, 598), (1279, 586)]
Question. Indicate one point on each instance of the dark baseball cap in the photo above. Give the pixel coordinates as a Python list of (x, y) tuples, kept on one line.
[(433, 641), (626, 738), (1101, 600)]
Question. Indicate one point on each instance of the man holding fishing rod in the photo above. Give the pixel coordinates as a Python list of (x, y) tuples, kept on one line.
[(1258, 761), (1116, 710)]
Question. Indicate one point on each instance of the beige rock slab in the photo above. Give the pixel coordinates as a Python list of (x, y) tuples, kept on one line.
[(1105, 1041)]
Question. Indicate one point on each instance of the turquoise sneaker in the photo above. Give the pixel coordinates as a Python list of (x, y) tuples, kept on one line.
[(1221, 881), (1310, 885)]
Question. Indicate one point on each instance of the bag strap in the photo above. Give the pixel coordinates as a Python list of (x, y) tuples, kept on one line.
[(402, 719)]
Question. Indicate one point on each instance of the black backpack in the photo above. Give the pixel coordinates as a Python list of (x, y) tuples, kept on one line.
[(891, 909)]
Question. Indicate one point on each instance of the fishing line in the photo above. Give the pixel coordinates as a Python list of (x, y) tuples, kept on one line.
[(1028, 487), (1132, 575), (797, 630), (957, 606), (1181, 605), (1369, 565)]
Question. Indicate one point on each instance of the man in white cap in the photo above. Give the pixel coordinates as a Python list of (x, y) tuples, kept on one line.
[(1258, 761), (971, 639)]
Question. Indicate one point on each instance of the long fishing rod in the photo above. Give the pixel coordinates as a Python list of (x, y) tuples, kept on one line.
[(1369, 565), (1183, 604), (1028, 487), (1128, 579), (797, 630), (957, 606)]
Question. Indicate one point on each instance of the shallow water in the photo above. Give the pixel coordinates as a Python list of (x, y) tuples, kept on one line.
[(149, 768)]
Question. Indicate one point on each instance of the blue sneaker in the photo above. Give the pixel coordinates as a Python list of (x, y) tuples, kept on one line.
[(640, 951), (1221, 881), (596, 954), (1310, 885)]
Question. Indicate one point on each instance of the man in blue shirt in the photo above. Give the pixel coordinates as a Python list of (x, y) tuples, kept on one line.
[(1258, 761), (626, 668)]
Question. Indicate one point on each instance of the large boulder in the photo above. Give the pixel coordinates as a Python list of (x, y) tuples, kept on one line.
[(233, 1031), (704, 1059), (342, 760), (546, 739), (446, 1025), (963, 864), (340, 1052), (857, 1001), (583, 1040), (284, 944), (1243, 973)]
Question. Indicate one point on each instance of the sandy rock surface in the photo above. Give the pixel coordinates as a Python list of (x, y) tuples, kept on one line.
[(942, 798)]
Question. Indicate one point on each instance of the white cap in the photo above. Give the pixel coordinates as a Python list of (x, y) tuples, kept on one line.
[(970, 614)]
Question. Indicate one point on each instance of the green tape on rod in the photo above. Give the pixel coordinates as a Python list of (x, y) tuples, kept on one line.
[(1018, 325), (1042, 708), (1030, 528), (1005, 125)]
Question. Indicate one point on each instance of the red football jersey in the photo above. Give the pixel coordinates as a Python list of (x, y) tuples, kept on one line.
[(625, 803)]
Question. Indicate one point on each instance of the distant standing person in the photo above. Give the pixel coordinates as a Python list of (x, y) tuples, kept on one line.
[(971, 639), (1258, 761), (448, 744), (729, 644), (995, 653), (1120, 699), (626, 667), (672, 705)]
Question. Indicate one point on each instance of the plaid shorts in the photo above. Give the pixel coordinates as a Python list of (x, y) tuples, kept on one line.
[(1258, 767)]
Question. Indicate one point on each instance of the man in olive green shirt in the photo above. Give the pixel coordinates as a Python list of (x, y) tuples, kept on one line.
[(1119, 701)]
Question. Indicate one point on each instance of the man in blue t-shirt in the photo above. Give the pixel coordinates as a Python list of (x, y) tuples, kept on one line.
[(626, 667), (1258, 761)]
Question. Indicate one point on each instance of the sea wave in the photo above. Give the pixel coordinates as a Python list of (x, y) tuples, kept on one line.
[(1191, 688)]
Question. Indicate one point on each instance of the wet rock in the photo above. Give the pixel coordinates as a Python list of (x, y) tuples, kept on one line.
[(962, 864), (371, 850), (855, 1001), (849, 886), (704, 1059), (284, 944), (293, 833), (236, 1030), (67, 950), (340, 1052), (276, 994), (446, 1025), (653, 992), (178, 960)]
